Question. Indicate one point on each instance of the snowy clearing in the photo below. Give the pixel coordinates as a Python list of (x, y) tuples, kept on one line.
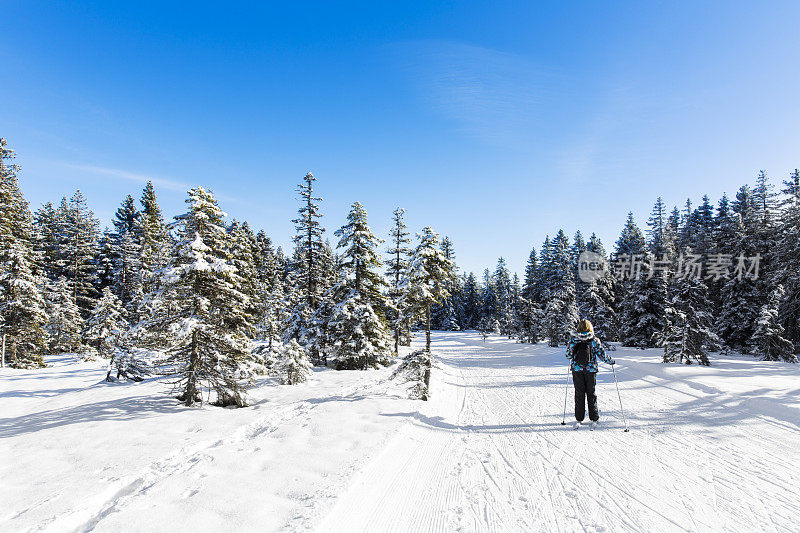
[(712, 448)]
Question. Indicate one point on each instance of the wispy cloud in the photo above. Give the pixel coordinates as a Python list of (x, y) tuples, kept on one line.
[(496, 96), (165, 183)]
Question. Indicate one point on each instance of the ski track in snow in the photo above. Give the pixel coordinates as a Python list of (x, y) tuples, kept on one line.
[(490, 454), (487, 453)]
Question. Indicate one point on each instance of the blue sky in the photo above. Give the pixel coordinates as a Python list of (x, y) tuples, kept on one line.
[(494, 122)]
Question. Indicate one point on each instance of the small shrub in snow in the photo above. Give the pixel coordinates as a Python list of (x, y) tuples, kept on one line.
[(265, 358), (105, 325), (768, 341), (130, 363), (488, 326), (415, 369), (294, 365)]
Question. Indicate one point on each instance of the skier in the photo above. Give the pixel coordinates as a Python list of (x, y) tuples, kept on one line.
[(583, 350)]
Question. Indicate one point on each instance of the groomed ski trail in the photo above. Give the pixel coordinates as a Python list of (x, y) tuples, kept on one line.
[(488, 453)]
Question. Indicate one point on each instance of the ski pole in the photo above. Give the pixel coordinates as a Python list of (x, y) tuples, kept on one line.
[(566, 392), (620, 399)]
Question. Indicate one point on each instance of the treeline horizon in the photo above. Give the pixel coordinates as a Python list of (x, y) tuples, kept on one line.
[(66, 285)]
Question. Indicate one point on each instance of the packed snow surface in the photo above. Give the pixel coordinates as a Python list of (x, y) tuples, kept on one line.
[(709, 449)]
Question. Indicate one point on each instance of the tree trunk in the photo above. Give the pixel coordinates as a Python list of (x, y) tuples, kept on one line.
[(428, 329), (191, 384)]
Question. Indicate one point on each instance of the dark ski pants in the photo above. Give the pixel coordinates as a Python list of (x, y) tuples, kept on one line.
[(585, 382)]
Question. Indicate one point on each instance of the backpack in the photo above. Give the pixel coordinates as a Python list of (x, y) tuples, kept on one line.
[(582, 353)]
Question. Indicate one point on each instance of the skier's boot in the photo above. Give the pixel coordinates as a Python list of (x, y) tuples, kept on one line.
[(576, 425), (592, 425)]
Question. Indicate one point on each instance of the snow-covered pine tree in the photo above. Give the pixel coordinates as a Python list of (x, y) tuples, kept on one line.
[(560, 312), (106, 259), (531, 318), (540, 288), (598, 312), (739, 295), (65, 323), (241, 242), (396, 271), (22, 309), (271, 310), (787, 258), (47, 238), (357, 331), (306, 268), (641, 307), (128, 272), (764, 233), (445, 315), (768, 340), (605, 289), (155, 240), (106, 324), (426, 283), (488, 325), (203, 319), (501, 283), (129, 362), (659, 241), (489, 301), (529, 284), (470, 302), (127, 254), (577, 247), (293, 365), (688, 331), (79, 250)]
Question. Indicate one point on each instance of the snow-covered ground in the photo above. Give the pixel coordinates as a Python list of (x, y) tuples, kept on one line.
[(709, 449)]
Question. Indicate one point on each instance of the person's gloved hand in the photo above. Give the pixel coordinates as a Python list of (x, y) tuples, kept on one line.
[(613, 362)]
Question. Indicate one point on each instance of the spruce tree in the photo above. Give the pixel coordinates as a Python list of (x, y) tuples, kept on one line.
[(47, 239), (501, 285), (641, 296), (739, 295), (306, 269), (606, 308), (22, 312), (396, 271), (79, 250), (470, 302), (203, 319), (106, 324), (560, 311), (106, 259), (597, 310), (445, 315), (576, 249), (529, 285), (787, 255), (65, 324), (357, 331), (426, 284), (531, 321), (240, 245), (155, 241), (127, 254), (293, 365), (768, 341), (688, 332)]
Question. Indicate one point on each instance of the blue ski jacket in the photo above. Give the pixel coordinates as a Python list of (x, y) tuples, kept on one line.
[(596, 351)]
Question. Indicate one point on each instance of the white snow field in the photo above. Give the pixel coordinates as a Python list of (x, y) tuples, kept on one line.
[(709, 449)]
